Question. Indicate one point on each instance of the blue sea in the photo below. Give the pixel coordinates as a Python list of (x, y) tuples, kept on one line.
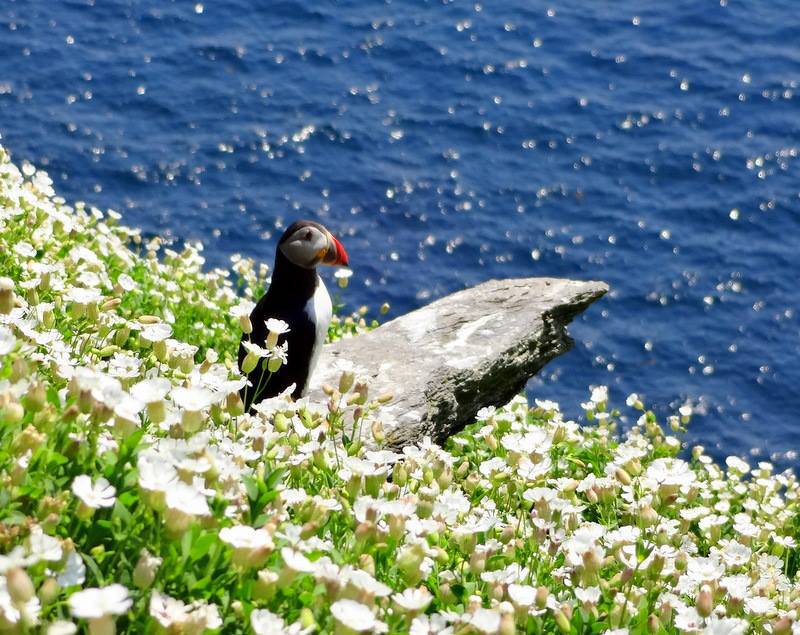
[(653, 145)]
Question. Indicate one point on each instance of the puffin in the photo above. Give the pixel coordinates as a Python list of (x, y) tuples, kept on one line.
[(296, 295)]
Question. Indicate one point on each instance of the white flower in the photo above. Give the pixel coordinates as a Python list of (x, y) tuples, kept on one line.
[(7, 340), (589, 596), (413, 600), (265, 622), (82, 296), (101, 494), (74, 571), (250, 546), (25, 249), (177, 616), (356, 617), (365, 583), (94, 603), (599, 395), (61, 627), (671, 472), (151, 390), (450, 505), (296, 561), (43, 547), (484, 621), (278, 327), (124, 366), (243, 309), (185, 498), (737, 465), (156, 332), (522, 594), (155, 473), (254, 349), (436, 624), (725, 626), (126, 282), (193, 399), (167, 611), (759, 605), (737, 586)]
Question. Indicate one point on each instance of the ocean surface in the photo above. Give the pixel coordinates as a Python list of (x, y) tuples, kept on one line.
[(653, 145)]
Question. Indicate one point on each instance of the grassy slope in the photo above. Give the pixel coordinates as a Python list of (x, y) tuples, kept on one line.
[(525, 521)]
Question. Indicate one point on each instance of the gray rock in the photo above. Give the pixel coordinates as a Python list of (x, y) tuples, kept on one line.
[(474, 348)]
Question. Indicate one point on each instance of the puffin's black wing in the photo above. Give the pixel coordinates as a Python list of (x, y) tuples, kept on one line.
[(300, 341)]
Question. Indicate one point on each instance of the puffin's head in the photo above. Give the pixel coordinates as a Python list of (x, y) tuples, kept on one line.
[(308, 244)]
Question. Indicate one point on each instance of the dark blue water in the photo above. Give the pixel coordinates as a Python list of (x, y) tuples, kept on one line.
[(649, 144)]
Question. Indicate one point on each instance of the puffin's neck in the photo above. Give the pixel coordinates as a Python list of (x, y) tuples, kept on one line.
[(291, 281)]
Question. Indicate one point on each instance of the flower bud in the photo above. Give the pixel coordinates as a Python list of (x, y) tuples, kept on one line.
[(160, 350), (48, 591), (705, 601), (35, 397), (367, 563), (409, 560), (377, 432), (245, 324), (648, 516), (12, 412), (542, 593), (102, 625), (122, 335), (19, 585), (280, 422), (562, 622), (234, 404), (346, 381), (146, 569), (446, 593), (477, 562), (249, 363), (783, 626), (622, 476), (400, 475), (7, 298), (274, 364), (307, 620), (110, 304)]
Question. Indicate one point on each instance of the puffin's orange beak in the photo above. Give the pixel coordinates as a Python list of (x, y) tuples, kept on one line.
[(336, 254)]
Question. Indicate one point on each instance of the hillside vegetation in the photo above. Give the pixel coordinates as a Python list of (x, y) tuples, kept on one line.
[(136, 496)]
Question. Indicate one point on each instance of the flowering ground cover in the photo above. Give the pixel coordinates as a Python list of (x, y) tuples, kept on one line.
[(136, 496)]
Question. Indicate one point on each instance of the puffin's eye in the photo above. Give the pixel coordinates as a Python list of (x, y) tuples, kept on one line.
[(307, 235)]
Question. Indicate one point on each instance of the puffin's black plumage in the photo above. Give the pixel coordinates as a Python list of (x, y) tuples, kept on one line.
[(290, 298)]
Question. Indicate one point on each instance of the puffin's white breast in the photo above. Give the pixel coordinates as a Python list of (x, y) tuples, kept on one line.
[(319, 310)]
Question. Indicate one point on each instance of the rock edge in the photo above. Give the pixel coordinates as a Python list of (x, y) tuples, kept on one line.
[(474, 348)]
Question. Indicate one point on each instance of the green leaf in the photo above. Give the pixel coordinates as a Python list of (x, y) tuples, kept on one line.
[(251, 487), (186, 545), (274, 477), (202, 545), (121, 512), (92, 566)]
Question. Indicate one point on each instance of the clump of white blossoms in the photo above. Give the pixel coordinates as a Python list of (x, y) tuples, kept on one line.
[(137, 495)]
